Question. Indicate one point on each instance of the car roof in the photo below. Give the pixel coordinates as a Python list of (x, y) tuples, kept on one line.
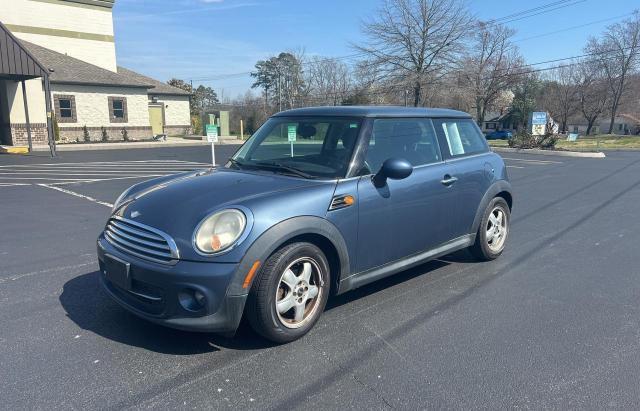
[(373, 111)]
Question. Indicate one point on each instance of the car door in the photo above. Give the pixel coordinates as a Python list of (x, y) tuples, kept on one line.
[(466, 151), (408, 216)]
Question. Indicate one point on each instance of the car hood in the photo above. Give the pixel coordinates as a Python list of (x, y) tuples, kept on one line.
[(177, 205)]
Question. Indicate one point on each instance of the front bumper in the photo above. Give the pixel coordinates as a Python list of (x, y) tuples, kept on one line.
[(161, 293)]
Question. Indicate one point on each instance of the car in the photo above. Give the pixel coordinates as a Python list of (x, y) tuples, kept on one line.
[(499, 135), (318, 202)]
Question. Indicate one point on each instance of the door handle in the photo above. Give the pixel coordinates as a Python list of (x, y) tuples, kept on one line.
[(448, 180)]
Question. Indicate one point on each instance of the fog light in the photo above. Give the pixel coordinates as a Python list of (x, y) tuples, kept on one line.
[(192, 300), (200, 298)]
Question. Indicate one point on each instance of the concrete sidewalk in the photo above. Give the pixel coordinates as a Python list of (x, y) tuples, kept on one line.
[(171, 141)]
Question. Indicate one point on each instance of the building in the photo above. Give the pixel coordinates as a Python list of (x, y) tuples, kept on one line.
[(624, 124), (59, 57)]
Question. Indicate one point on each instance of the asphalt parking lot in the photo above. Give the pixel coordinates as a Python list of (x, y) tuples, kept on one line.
[(554, 323)]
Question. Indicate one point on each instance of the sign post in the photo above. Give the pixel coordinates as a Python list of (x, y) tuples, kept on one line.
[(212, 137), (291, 134)]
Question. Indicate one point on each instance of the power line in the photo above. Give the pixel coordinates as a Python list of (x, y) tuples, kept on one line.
[(501, 20)]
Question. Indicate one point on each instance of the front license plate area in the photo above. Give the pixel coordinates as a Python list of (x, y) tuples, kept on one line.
[(117, 271)]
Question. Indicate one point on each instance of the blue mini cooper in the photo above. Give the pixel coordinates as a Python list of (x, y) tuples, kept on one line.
[(319, 201)]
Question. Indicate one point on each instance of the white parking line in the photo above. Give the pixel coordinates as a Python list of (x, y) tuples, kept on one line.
[(133, 162), (533, 161), (69, 173), (73, 193), (514, 167)]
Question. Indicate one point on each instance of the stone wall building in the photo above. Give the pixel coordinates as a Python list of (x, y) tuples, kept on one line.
[(89, 93)]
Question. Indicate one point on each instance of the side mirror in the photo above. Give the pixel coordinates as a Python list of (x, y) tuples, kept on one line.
[(393, 168)]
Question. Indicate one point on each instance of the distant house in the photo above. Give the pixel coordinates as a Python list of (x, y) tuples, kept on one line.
[(498, 121), (624, 124), (63, 53)]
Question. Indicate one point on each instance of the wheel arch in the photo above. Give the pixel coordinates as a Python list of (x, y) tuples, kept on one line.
[(501, 189), (315, 230)]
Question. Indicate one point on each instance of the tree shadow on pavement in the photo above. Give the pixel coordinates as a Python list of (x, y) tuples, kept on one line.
[(92, 309)]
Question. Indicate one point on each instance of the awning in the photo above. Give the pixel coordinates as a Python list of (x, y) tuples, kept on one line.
[(18, 64)]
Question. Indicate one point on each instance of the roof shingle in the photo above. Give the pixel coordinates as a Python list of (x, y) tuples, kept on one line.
[(69, 70)]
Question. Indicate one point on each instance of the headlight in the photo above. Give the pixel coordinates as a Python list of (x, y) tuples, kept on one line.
[(219, 231)]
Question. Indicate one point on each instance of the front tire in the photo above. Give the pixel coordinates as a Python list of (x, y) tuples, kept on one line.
[(492, 234), (290, 293)]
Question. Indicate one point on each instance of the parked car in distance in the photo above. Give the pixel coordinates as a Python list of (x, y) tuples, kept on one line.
[(499, 135), (319, 201)]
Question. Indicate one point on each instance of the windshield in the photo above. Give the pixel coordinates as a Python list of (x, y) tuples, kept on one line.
[(309, 147)]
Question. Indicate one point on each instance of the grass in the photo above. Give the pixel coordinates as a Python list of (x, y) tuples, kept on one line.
[(590, 143)]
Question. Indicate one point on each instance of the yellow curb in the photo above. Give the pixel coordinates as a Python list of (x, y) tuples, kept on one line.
[(14, 149)]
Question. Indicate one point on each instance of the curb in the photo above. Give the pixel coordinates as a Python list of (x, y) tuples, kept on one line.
[(549, 152), (124, 146), (14, 149)]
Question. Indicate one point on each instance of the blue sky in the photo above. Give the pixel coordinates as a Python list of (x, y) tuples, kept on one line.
[(207, 39)]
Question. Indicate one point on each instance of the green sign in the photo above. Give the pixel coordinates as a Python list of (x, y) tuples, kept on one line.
[(292, 132), (212, 133)]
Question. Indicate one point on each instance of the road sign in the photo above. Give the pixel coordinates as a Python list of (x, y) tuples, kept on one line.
[(292, 132), (212, 133), (539, 117), (212, 137)]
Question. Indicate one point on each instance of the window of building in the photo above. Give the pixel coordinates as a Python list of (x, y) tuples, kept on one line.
[(65, 107), (491, 126), (462, 136), (575, 129), (118, 110)]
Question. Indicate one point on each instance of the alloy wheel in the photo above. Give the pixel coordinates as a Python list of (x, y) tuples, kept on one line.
[(299, 292), (497, 229)]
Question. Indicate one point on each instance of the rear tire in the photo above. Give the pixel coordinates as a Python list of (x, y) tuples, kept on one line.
[(290, 293), (492, 234)]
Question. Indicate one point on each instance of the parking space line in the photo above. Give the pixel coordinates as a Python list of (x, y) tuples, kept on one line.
[(71, 173), (514, 167), (73, 193), (151, 162), (533, 161)]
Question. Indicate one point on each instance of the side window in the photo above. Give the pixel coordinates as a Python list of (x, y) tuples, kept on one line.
[(461, 135), (411, 139)]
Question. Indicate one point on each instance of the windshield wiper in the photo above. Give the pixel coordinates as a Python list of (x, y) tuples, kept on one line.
[(282, 167)]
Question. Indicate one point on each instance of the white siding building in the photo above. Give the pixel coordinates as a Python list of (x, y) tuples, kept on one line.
[(74, 41)]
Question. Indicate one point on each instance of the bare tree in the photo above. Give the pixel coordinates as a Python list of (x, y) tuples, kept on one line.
[(415, 42), (560, 93), (329, 80), (492, 65), (618, 54), (592, 91)]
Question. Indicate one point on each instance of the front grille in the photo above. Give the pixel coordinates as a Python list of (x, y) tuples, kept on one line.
[(141, 240)]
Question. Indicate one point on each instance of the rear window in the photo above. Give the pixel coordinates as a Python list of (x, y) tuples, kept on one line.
[(462, 136)]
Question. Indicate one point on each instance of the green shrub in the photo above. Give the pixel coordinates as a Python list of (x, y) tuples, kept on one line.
[(105, 136), (196, 125), (85, 134), (524, 139), (125, 134)]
